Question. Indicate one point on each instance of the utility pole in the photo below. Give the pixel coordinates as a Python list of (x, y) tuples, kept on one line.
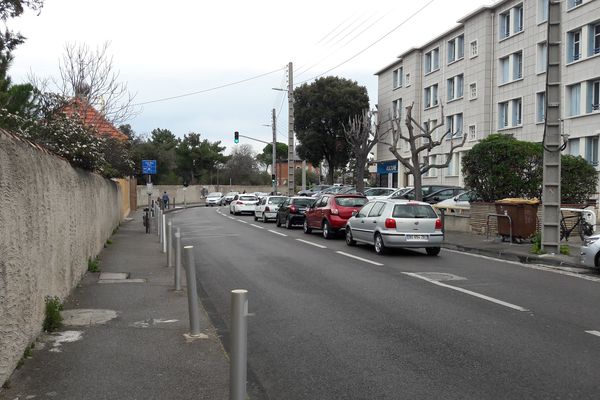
[(274, 165), (291, 161), (552, 135)]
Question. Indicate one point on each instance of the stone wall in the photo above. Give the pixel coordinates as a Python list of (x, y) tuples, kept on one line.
[(52, 219)]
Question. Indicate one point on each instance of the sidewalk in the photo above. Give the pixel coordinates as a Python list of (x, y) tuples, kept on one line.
[(519, 252), (141, 353)]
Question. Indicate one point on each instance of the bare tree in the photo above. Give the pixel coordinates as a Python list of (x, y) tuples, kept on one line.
[(421, 140), (362, 137), (90, 76)]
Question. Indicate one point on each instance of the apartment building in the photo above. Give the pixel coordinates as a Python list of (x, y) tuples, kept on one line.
[(488, 74)]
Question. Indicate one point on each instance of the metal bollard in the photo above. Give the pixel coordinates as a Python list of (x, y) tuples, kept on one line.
[(190, 274), (163, 233), (159, 225), (170, 244), (239, 344), (177, 259)]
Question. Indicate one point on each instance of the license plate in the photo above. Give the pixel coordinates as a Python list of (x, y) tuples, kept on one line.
[(417, 238)]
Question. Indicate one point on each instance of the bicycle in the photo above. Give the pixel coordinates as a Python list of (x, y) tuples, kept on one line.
[(584, 227)]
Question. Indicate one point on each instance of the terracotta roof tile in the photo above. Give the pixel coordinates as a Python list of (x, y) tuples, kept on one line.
[(91, 117)]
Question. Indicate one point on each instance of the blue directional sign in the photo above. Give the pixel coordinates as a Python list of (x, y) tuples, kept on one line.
[(149, 167)]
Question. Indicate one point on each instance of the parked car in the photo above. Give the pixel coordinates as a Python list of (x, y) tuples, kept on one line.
[(331, 212), (312, 190), (462, 201), (291, 211), (378, 192), (242, 203), (213, 199), (396, 223), (267, 207), (397, 194), (332, 189), (225, 200), (260, 195), (432, 193), (590, 251)]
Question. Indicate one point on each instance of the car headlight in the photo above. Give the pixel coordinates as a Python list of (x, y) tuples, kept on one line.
[(590, 240)]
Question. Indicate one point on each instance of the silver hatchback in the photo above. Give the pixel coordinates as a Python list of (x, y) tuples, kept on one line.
[(396, 223)]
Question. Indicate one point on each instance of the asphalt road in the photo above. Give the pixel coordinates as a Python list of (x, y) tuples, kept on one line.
[(329, 325)]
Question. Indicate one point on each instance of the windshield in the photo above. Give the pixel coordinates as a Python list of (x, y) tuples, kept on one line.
[(276, 200), (248, 198), (303, 202), (350, 201), (413, 211)]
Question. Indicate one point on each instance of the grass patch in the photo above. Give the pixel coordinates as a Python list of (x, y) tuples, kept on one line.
[(93, 265), (108, 241), (536, 247), (564, 249), (53, 319)]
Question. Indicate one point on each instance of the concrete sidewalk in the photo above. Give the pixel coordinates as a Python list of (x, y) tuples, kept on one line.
[(141, 353)]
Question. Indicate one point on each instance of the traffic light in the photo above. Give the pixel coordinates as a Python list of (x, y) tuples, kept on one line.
[(273, 178), (236, 137)]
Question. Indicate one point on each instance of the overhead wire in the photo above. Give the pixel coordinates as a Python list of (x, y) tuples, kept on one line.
[(370, 45)]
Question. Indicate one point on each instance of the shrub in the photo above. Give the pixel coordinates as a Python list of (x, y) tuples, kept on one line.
[(53, 319), (578, 180)]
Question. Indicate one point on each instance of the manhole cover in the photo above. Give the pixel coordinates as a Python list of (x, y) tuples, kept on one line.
[(440, 276)]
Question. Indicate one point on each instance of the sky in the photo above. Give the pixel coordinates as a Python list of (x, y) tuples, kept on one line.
[(168, 49)]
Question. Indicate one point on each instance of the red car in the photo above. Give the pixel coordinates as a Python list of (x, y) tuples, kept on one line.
[(331, 211)]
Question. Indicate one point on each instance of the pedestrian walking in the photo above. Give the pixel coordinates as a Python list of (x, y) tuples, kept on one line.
[(165, 199)]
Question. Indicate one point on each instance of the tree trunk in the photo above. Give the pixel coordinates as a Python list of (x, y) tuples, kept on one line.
[(359, 176)]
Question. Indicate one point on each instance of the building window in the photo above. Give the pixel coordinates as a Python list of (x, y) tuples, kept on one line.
[(397, 78), (573, 3), (574, 147), (407, 79), (454, 125), (431, 98), (518, 12), (474, 49), (397, 109), (433, 171), (517, 65), (453, 165), (593, 103), (543, 6), (511, 68), (574, 45), (517, 112), (503, 115), (455, 87), (432, 60), (542, 57), (456, 48), (574, 96), (505, 24), (504, 68), (595, 31), (473, 91), (591, 150), (472, 132), (540, 107)]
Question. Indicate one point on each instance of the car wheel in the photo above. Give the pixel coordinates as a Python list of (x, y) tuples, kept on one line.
[(307, 229), (277, 221), (349, 240), (379, 245), (327, 232), (264, 218), (288, 223), (255, 217), (432, 251), (230, 211), (597, 260)]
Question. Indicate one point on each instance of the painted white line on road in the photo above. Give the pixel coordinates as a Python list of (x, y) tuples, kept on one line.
[(312, 244), (256, 226), (277, 233), (465, 291), (359, 258), (230, 217), (239, 220), (595, 333), (538, 267)]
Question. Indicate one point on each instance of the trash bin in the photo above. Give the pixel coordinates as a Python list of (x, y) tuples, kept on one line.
[(523, 214)]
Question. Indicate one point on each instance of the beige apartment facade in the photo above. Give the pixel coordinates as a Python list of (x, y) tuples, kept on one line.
[(487, 75)]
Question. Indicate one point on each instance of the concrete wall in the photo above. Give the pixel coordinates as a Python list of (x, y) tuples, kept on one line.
[(52, 219)]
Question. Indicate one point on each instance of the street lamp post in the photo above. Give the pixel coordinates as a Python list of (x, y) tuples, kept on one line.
[(291, 152)]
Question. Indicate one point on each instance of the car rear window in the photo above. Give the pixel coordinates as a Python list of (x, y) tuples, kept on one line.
[(248, 198), (350, 201), (413, 211), (303, 202), (276, 200)]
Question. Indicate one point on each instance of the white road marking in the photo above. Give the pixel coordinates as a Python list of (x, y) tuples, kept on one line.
[(242, 221), (465, 291), (538, 267), (277, 233), (312, 244), (359, 258), (595, 333), (256, 226), (230, 217)]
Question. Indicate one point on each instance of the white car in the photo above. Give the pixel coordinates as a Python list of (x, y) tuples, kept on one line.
[(376, 193), (242, 203), (460, 202), (213, 199), (267, 207), (590, 251)]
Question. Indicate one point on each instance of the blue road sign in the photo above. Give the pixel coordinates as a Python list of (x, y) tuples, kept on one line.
[(149, 167)]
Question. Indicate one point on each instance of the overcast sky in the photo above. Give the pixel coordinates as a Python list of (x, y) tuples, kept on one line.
[(164, 49)]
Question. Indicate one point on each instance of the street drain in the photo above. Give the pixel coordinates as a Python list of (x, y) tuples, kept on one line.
[(118, 277)]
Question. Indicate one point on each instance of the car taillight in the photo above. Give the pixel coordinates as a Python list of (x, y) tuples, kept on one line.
[(390, 223), (438, 224), (267, 209), (293, 209), (335, 211)]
